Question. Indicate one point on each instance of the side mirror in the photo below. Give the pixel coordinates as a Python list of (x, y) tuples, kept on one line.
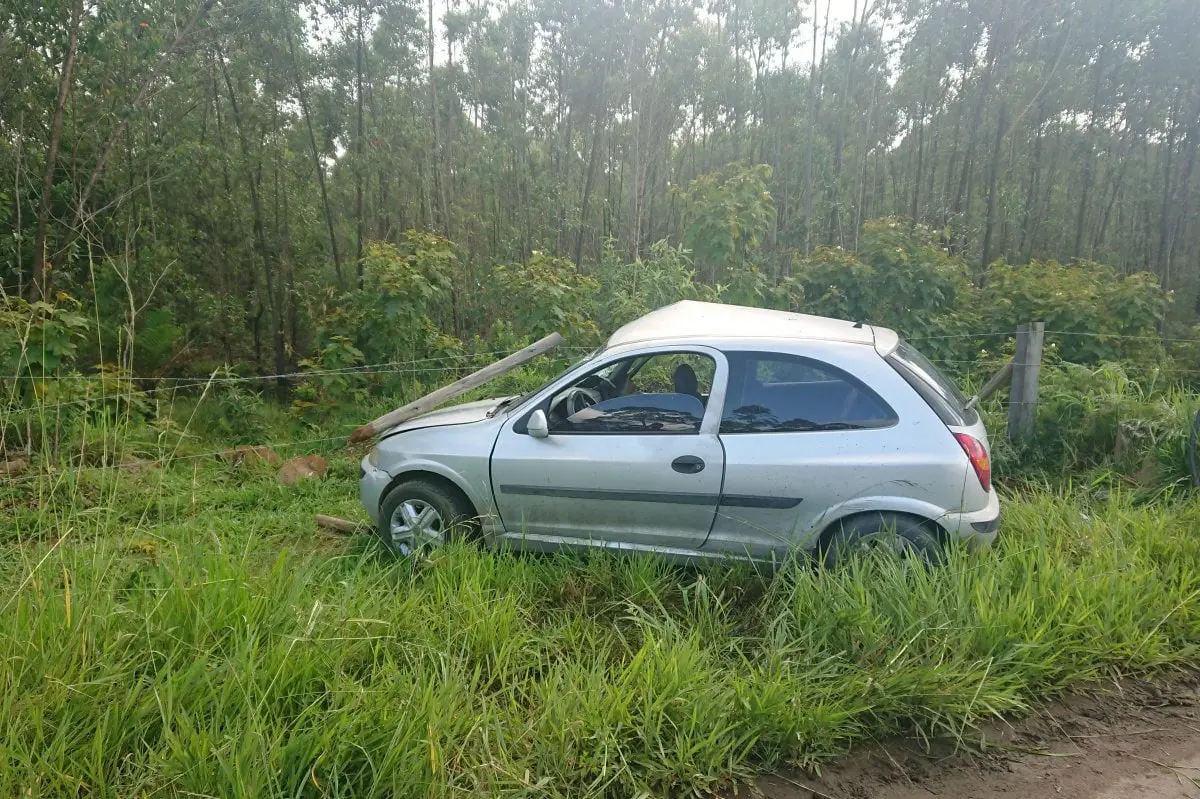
[(537, 426)]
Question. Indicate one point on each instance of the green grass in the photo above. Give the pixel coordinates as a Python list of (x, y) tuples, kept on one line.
[(187, 631)]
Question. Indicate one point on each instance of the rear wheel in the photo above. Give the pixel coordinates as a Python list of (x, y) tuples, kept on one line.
[(423, 513), (895, 535)]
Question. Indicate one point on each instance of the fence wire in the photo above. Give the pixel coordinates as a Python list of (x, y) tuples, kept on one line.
[(418, 366), (346, 370)]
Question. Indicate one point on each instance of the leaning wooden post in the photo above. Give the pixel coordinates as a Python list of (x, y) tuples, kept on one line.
[(447, 393), (1027, 371)]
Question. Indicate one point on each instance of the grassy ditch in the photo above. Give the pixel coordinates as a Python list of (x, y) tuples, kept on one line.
[(186, 631)]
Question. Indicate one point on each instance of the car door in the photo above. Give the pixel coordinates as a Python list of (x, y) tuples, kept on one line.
[(642, 467), (800, 435)]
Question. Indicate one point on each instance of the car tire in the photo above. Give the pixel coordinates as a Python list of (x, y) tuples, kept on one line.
[(422, 513), (905, 537)]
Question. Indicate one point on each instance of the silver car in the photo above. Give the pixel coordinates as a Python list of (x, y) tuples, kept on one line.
[(703, 430)]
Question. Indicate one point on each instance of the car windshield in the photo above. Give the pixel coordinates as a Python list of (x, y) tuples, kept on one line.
[(516, 402)]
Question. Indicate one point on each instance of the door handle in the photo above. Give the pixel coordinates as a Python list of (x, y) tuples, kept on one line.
[(687, 464)]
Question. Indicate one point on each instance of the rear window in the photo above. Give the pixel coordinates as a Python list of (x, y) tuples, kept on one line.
[(942, 393), (777, 393)]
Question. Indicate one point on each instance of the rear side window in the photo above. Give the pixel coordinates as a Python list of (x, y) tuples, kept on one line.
[(940, 392), (776, 393)]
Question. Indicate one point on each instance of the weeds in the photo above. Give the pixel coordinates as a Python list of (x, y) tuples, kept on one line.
[(188, 632)]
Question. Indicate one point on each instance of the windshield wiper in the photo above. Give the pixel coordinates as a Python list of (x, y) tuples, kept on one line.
[(501, 405)]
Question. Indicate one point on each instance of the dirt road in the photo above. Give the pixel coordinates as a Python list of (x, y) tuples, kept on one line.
[(1136, 741)]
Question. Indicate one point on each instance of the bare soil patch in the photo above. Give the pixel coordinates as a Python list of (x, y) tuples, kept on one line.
[(1131, 739)]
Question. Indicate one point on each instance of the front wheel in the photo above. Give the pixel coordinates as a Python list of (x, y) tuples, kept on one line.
[(422, 513), (906, 538)]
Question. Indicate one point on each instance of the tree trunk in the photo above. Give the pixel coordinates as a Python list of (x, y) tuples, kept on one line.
[(989, 225), (1031, 195), (1117, 189), (1164, 224), (1183, 203), (39, 285), (1089, 152), (359, 154), (438, 184), (270, 260), (813, 95), (312, 142), (587, 184)]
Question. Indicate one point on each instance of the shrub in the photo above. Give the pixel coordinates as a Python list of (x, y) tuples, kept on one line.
[(1099, 421), (726, 215), (629, 289), (1109, 316), (900, 278), (545, 295), (231, 411)]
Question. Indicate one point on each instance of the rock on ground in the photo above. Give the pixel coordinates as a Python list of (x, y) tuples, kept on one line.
[(302, 468)]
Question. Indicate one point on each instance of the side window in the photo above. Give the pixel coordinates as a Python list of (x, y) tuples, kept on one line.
[(776, 393), (664, 393)]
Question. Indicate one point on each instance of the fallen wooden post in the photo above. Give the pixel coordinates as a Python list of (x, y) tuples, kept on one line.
[(339, 525), (447, 393)]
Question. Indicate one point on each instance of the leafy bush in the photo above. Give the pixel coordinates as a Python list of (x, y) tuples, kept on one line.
[(390, 317), (726, 215), (231, 411), (900, 278), (1109, 316), (40, 338), (629, 289), (1101, 422), (546, 295), (754, 287)]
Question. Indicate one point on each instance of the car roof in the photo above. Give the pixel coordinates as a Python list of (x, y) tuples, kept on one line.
[(689, 319)]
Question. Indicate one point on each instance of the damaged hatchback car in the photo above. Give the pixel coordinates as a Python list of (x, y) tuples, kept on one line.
[(703, 430)]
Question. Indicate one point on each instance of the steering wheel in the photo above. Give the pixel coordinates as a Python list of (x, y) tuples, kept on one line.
[(578, 398), (607, 387)]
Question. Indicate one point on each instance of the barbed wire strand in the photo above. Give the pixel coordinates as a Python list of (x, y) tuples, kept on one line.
[(129, 395), (186, 381), (1011, 333)]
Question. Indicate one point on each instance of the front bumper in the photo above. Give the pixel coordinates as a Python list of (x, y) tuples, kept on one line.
[(978, 528), (371, 486)]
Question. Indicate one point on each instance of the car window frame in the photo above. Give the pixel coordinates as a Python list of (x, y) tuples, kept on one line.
[(712, 410), (941, 392), (829, 368)]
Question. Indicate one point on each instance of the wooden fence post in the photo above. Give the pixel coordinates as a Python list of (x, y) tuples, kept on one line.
[(1027, 371)]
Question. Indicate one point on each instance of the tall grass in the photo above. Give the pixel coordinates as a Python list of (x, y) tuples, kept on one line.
[(193, 635)]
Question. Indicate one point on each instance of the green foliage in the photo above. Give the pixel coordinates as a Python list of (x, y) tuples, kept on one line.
[(135, 312), (726, 215), (40, 338), (335, 380), (1108, 316), (323, 665), (559, 126), (231, 412), (155, 339), (900, 278), (630, 289), (545, 295), (1100, 423), (390, 317), (752, 286)]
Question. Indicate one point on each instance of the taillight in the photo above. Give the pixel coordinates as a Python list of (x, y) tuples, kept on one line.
[(978, 455)]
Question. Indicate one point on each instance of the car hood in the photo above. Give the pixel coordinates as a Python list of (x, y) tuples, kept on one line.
[(466, 413)]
